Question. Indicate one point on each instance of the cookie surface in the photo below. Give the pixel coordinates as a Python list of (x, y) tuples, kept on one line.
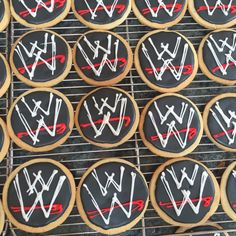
[(216, 56), (102, 58), (159, 14), (184, 192), (103, 14), (5, 77), (107, 117), (166, 61), (109, 198), (40, 120), (41, 58), (37, 201), (213, 14), (4, 14), (2, 217), (171, 125), (40, 14), (218, 119), (4, 140)]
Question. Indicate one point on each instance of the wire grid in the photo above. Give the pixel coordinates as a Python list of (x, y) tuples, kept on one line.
[(78, 155)]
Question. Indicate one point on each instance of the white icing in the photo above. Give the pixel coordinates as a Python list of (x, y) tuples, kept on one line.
[(234, 173), (225, 8), (38, 192)]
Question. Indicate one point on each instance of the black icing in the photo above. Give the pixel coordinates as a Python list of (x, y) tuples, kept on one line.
[(172, 145), (162, 16), (107, 136), (205, 228), (160, 40), (227, 104), (2, 138), (43, 16), (106, 73), (218, 17), (187, 215), (209, 59), (42, 72), (118, 218), (43, 137), (2, 10), (230, 190), (37, 219), (101, 15), (3, 70)]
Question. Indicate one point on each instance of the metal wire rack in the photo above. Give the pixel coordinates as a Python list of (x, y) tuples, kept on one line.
[(78, 155)]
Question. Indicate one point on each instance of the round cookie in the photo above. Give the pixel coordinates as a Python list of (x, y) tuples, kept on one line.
[(4, 140), (102, 58), (40, 120), (102, 14), (219, 124), (184, 192), (171, 125), (4, 14), (159, 14), (166, 61), (41, 58), (216, 56), (2, 217), (40, 14), (107, 117), (109, 199), (37, 201), (213, 14), (5, 78)]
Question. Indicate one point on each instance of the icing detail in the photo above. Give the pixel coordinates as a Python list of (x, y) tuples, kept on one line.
[(2, 10), (3, 70)]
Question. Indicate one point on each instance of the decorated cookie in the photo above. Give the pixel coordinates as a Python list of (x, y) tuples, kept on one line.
[(112, 196), (5, 75), (171, 125), (41, 58), (159, 14), (166, 61), (4, 141), (2, 217), (34, 196), (102, 58), (102, 14), (213, 14), (40, 120), (107, 117), (40, 14), (219, 121), (4, 14), (216, 56), (184, 192)]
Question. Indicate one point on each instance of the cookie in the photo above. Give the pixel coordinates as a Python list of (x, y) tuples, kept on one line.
[(219, 124), (40, 120), (4, 140), (107, 117), (184, 192), (112, 196), (2, 217), (102, 14), (37, 201), (4, 14), (102, 58), (213, 14), (159, 14), (5, 78), (166, 61), (216, 56), (171, 125), (40, 14), (41, 58)]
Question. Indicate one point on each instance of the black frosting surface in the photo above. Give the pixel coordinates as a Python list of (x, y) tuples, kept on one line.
[(171, 124), (129, 180), (205, 228), (221, 121), (230, 189), (1, 138), (161, 13), (169, 184), (3, 70), (112, 114), (41, 56), (2, 9), (105, 12), (39, 12), (166, 59), (55, 116), (214, 13), (20, 189), (98, 64)]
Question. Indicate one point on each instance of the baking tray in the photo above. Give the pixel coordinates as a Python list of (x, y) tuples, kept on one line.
[(78, 155)]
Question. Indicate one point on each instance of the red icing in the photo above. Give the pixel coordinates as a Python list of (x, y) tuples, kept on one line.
[(204, 8), (224, 66)]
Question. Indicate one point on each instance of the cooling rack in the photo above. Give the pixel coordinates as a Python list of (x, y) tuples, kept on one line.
[(78, 155)]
